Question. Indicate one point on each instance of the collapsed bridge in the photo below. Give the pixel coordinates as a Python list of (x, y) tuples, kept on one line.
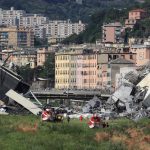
[(12, 90)]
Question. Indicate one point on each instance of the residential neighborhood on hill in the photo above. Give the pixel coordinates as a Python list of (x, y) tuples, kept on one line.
[(79, 65)]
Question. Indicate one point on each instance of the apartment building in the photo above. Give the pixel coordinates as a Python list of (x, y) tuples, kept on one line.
[(89, 69), (112, 33), (24, 57), (62, 70), (42, 27), (16, 37), (11, 17), (104, 68), (75, 69), (142, 54), (31, 20), (134, 16), (86, 72), (60, 29), (42, 55)]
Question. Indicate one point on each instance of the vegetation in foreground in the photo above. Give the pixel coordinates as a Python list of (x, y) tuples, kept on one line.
[(28, 132)]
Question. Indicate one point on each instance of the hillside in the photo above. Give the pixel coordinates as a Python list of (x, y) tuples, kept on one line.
[(65, 9), (93, 30)]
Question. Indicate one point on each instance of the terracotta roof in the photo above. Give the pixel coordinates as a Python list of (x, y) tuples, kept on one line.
[(138, 10)]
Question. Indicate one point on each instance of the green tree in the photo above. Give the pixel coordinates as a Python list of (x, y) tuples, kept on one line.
[(49, 68), (39, 42), (27, 73)]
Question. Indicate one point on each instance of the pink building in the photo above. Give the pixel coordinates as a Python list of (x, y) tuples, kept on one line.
[(79, 79), (112, 33), (86, 71), (134, 16), (137, 14)]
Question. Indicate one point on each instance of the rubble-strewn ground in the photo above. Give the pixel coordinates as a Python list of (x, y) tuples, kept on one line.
[(28, 132)]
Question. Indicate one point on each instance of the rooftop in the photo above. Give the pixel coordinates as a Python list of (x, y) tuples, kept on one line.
[(138, 10), (120, 61)]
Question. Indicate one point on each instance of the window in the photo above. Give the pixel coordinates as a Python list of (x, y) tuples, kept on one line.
[(108, 82), (122, 56), (131, 56), (108, 74)]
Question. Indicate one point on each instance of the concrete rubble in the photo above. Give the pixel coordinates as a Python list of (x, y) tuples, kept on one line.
[(131, 99)]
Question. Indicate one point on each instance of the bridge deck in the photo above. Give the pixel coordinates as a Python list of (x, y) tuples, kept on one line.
[(77, 95)]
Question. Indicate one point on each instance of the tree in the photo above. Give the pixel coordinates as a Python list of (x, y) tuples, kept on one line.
[(49, 68), (38, 42), (27, 73)]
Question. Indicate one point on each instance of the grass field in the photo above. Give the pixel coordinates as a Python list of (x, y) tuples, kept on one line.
[(29, 133)]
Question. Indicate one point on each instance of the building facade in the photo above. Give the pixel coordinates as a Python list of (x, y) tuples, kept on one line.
[(104, 70), (112, 33), (16, 37), (88, 69), (142, 54), (60, 29), (134, 16), (23, 58), (11, 17), (42, 55)]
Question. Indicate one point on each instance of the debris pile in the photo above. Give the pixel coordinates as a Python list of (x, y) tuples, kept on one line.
[(131, 99), (92, 104)]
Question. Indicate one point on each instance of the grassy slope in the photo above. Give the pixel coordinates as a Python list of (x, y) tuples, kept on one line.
[(58, 136)]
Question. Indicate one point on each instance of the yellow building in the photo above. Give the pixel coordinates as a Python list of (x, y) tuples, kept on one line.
[(76, 69), (62, 70)]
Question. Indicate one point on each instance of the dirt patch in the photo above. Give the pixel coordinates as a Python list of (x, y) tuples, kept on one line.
[(102, 136), (119, 138), (134, 139), (27, 128)]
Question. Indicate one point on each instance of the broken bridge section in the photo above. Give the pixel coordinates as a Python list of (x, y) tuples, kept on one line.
[(12, 89), (26, 103), (11, 80)]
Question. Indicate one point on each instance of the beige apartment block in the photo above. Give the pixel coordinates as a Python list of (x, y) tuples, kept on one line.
[(42, 55), (60, 29), (16, 37), (137, 14), (62, 70), (21, 57), (142, 54)]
